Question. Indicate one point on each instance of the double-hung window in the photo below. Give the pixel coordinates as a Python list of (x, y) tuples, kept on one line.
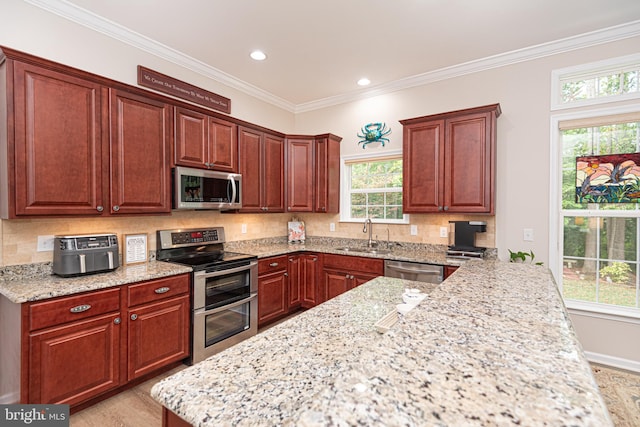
[(597, 259), (372, 188)]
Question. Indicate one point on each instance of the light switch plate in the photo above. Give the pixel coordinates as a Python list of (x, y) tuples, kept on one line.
[(414, 230), (243, 228)]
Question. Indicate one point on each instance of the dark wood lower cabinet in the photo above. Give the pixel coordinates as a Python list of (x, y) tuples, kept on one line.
[(158, 335), (70, 364), (80, 348), (342, 273)]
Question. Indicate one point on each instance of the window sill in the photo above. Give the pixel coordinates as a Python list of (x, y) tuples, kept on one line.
[(603, 311)]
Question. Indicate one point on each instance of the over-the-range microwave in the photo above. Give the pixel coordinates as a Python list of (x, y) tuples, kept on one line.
[(205, 189)]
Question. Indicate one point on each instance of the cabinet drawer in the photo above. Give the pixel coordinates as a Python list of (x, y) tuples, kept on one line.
[(77, 307), (276, 263), (156, 290), (355, 263)]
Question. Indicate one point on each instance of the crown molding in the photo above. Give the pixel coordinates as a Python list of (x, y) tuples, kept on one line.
[(607, 35), (111, 29), (116, 31)]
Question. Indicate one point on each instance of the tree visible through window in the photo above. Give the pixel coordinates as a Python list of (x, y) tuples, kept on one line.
[(375, 189), (601, 256)]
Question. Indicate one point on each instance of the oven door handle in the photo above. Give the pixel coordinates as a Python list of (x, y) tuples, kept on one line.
[(203, 274), (225, 307)]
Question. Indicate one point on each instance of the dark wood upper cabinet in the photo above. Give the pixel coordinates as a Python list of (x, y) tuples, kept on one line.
[(55, 160), (449, 161), (262, 169), (300, 173), (74, 146), (202, 141), (313, 174), (140, 174)]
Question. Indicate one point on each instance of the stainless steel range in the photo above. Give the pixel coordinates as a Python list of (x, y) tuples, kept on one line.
[(224, 288)]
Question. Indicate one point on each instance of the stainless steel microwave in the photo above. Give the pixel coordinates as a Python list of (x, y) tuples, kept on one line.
[(205, 189)]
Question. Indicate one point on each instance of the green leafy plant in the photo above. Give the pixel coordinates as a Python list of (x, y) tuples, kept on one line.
[(618, 272), (522, 257)]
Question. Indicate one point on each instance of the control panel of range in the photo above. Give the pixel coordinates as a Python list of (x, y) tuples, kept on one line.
[(191, 237)]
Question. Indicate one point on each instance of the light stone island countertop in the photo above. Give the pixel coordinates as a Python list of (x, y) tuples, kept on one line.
[(490, 346), (35, 282)]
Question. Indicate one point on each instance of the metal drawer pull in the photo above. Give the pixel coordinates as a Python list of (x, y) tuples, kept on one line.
[(273, 264), (80, 308), (162, 290), (134, 316), (117, 320)]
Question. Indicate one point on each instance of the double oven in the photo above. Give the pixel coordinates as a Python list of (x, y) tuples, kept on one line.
[(224, 288)]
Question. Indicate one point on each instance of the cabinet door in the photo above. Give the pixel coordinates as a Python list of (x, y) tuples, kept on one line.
[(468, 164), (423, 174), (273, 173), (272, 297), (327, 175), (300, 170), (360, 278), (309, 280), (296, 280), (58, 144), (250, 143), (140, 147), (191, 138), (223, 145), (336, 283), (73, 363), (449, 270), (158, 335)]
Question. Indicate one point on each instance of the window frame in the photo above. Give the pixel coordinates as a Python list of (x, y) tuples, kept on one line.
[(345, 184), (589, 69), (557, 213)]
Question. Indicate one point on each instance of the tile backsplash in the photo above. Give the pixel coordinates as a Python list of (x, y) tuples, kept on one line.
[(19, 238)]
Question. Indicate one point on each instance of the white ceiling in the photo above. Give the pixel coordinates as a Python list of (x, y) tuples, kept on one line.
[(317, 50)]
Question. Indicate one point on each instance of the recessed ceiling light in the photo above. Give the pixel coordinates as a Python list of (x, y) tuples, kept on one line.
[(364, 81), (258, 55)]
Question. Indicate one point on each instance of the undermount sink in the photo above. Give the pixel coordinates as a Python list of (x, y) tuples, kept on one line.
[(365, 250)]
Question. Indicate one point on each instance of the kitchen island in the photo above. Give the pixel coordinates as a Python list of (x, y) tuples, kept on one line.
[(492, 345)]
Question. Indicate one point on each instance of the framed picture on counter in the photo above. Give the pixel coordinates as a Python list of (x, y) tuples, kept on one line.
[(135, 248)]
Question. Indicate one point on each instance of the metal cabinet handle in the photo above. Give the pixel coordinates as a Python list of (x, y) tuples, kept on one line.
[(80, 308), (286, 274), (117, 320), (446, 208), (162, 290), (134, 316), (99, 208), (439, 208), (273, 264), (116, 208)]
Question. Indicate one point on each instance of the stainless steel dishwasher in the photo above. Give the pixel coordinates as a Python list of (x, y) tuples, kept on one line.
[(417, 271)]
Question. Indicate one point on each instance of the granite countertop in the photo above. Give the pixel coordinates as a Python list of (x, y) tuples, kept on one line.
[(492, 345), (33, 282), (36, 282)]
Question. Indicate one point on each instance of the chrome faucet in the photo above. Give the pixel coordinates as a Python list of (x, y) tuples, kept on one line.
[(370, 243)]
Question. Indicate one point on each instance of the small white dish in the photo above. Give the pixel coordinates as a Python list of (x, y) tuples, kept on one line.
[(404, 308)]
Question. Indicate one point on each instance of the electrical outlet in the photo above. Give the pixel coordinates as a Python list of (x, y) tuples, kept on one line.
[(45, 243), (527, 234), (152, 255), (414, 230), (243, 228), (444, 232), (332, 226)]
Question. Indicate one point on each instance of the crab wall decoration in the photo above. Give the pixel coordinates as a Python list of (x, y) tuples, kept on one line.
[(373, 132)]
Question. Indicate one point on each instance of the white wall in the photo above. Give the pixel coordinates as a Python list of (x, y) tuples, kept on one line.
[(523, 172)]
